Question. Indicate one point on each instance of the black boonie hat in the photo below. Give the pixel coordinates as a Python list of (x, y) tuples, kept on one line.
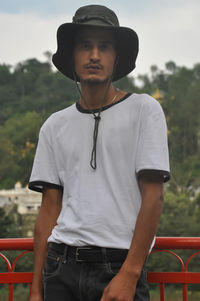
[(96, 16)]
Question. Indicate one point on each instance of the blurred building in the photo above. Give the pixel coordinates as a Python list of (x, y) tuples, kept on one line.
[(27, 204)]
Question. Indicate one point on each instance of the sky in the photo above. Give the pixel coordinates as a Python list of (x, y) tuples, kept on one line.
[(167, 30)]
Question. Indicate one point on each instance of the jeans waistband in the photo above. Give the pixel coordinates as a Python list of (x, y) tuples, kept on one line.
[(90, 253)]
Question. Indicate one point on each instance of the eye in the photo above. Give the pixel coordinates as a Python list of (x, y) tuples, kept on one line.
[(104, 46), (85, 45)]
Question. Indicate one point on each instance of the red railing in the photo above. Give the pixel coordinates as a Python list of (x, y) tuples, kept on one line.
[(163, 244), (184, 277)]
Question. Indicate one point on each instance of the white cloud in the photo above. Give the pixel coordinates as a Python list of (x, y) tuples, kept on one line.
[(27, 35), (170, 33)]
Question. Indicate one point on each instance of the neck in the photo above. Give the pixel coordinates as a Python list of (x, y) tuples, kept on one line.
[(95, 96)]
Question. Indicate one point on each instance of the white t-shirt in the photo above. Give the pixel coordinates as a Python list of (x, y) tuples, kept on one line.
[(100, 207)]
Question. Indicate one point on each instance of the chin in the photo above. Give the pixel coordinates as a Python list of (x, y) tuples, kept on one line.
[(93, 80)]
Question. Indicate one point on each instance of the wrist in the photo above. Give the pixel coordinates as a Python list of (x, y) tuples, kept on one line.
[(133, 272), (36, 296), (37, 288)]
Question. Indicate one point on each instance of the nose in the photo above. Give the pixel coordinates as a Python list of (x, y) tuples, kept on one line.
[(94, 54)]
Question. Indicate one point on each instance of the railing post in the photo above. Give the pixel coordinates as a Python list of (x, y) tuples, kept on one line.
[(162, 292), (184, 292), (10, 292)]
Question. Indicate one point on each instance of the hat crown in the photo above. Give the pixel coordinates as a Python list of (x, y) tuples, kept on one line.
[(95, 14)]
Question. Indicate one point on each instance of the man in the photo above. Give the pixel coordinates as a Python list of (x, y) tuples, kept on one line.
[(100, 165)]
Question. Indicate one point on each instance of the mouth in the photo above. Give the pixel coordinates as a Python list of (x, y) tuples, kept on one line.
[(93, 67)]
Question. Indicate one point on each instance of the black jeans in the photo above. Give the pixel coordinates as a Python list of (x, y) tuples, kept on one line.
[(66, 279)]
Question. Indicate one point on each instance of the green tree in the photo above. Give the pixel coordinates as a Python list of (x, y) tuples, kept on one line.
[(7, 225), (32, 86), (18, 139)]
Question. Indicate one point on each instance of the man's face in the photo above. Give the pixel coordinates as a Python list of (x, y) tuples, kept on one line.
[(94, 55)]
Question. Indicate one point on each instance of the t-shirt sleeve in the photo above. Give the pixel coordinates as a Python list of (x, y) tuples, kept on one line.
[(44, 171), (152, 151)]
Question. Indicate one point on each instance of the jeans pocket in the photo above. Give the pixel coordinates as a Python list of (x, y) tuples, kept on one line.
[(52, 264), (113, 267)]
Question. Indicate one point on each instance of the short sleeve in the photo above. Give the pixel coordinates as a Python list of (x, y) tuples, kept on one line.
[(152, 150), (44, 171)]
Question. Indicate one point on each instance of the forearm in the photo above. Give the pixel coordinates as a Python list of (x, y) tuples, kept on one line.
[(46, 220), (123, 285), (41, 234), (144, 233)]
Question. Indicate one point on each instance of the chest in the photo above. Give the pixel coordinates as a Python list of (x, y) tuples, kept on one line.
[(119, 129)]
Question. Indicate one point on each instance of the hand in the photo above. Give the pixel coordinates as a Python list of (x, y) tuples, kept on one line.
[(120, 288)]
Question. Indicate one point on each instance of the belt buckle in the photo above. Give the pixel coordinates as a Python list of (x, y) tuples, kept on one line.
[(77, 253)]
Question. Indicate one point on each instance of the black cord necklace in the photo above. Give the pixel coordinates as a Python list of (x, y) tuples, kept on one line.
[(97, 118)]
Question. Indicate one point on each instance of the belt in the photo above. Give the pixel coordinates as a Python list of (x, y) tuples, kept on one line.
[(90, 253)]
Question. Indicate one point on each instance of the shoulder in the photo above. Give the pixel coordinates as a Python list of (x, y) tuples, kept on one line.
[(147, 101), (144, 104), (148, 106), (57, 119)]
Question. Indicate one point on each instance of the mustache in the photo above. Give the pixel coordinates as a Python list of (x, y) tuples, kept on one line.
[(93, 65)]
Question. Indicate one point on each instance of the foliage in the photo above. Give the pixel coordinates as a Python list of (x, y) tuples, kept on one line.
[(31, 91), (180, 93), (18, 138), (7, 227)]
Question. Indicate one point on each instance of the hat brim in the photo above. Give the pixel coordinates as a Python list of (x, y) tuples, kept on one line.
[(127, 48)]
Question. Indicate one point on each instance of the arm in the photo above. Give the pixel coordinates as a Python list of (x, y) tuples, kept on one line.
[(123, 285), (46, 220)]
